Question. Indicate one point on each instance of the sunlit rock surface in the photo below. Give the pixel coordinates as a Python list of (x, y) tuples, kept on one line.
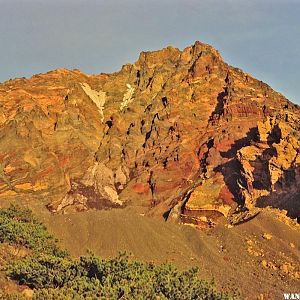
[(177, 133)]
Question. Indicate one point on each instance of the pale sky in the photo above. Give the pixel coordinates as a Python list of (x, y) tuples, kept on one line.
[(262, 37)]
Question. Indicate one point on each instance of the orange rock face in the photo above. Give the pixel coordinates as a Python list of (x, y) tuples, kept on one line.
[(177, 130)]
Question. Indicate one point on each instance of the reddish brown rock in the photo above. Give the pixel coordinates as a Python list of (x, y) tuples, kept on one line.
[(176, 133)]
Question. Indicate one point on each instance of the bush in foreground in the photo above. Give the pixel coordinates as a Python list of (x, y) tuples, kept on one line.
[(54, 275), (19, 227)]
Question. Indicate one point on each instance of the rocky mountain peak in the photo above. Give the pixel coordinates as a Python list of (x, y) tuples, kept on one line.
[(178, 134)]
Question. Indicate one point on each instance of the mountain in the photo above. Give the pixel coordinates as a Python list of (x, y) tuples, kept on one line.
[(179, 134)]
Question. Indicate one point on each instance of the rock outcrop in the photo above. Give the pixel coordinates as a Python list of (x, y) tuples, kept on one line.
[(179, 134)]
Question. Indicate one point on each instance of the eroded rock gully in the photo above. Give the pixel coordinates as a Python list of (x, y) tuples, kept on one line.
[(177, 133)]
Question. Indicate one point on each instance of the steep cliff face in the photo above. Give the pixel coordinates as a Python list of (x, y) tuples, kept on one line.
[(179, 134)]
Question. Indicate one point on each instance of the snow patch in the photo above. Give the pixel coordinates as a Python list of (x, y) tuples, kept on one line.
[(98, 98), (128, 96)]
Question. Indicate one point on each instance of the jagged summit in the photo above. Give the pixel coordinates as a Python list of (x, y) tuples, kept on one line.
[(179, 134), (174, 56)]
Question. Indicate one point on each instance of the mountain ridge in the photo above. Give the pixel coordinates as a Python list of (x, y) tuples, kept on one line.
[(179, 134)]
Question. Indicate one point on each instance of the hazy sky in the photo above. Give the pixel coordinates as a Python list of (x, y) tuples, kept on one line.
[(262, 37)]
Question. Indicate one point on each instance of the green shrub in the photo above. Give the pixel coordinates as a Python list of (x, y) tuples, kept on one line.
[(54, 275), (13, 296), (41, 271), (116, 278), (20, 228)]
